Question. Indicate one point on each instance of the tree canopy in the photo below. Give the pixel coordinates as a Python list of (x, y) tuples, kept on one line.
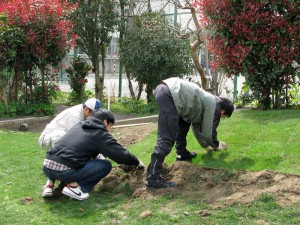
[(95, 21), (153, 51), (39, 35), (48, 34), (259, 39)]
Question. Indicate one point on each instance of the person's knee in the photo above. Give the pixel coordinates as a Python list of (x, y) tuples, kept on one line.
[(105, 166), (160, 156), (108, 166), (163, 148)]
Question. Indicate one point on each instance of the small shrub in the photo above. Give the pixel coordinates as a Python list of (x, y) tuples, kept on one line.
[(40, 109), (61, 97), (77, 73), (150, 108), (132, 104), (10, 111), (244, 98)]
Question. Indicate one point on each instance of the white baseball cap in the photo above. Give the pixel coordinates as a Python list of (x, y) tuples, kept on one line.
[(93, 103)]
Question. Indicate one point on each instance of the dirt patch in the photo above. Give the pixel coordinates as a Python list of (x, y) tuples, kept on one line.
[(217, 187), (132, 134)]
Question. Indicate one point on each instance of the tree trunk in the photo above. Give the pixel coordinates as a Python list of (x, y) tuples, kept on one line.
[(4, 95), (140, 90), (132, 94), (127, 27), (199, 68), (98, 82), (42, 68), (14, 88), (3, 89), (266, 99), (195, 45), (214, 84), (149, 93), (102, 77), (99, 79), (44, 97)]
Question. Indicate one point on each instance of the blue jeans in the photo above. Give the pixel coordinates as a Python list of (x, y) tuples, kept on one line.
[(87, 177)]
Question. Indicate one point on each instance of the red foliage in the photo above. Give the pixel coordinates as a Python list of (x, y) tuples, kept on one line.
[(244, 26), (48, 31)]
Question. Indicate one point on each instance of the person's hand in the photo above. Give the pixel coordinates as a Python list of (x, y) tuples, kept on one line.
[(208, 148), (222, 146), (127, 168), (141, 165)]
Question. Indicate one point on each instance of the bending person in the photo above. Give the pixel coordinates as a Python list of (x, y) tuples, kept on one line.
[(182, 104)]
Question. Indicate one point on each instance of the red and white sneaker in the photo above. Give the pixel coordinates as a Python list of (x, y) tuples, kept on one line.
[(75, 192), (48, 191)]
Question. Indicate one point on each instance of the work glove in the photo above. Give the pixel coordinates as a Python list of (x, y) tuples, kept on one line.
[(141, 165), (222, 146), (208, 148)]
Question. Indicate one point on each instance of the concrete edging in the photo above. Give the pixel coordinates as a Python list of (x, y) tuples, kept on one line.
[(138, 120), (16, 123)]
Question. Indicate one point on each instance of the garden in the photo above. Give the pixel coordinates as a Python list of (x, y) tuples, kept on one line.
[(255, 181)]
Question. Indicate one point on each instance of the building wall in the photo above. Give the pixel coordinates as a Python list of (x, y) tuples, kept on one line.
[(112, 60)]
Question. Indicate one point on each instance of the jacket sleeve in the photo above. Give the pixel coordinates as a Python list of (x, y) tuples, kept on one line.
[(206, 132), (196, 127), (113, 150)]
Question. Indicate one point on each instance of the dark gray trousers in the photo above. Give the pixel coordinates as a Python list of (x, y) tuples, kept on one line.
[(171, 128)]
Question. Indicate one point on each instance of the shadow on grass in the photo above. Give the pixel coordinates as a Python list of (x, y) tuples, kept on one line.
[(97, 206), (213, 160)]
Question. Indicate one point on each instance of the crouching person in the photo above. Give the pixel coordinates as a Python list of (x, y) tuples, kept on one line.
[(73, 162)]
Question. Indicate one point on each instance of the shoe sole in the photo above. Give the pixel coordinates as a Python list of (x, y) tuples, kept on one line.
[(47, 195), (189, 159), (153, 187), (73, 196), (150, 188)]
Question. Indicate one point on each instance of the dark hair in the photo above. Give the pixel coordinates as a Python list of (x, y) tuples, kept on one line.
[(227, 106), (104, 114)]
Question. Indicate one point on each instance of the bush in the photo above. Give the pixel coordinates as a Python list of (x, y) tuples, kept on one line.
[(13, 110), (77, 74), (40, 109), (10, 111), (128, 105), (73, 99)]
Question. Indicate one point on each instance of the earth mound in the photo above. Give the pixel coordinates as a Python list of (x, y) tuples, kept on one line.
[(217, 187)]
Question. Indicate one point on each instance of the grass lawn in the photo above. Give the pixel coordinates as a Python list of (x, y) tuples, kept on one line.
[(257, 140)]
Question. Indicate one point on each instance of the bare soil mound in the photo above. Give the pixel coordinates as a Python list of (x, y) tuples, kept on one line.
[(215, 186)]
